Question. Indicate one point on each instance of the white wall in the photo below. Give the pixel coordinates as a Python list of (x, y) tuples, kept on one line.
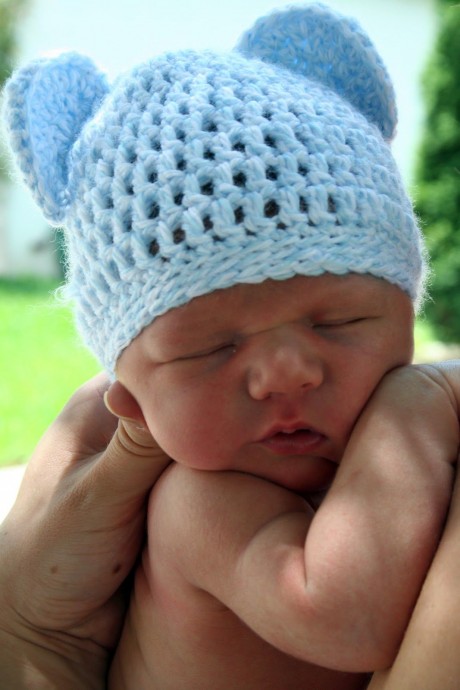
[(117, 34)]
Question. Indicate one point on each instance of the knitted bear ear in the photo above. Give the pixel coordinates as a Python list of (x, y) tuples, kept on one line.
[(46, 105), (323, 45)]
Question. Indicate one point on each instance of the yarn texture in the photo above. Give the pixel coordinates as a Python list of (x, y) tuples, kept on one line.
[(198, 171)]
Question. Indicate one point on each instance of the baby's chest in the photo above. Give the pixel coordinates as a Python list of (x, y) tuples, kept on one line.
[(211, 648)]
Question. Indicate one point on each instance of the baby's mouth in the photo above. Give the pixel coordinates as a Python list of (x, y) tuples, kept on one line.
[(300, 441)]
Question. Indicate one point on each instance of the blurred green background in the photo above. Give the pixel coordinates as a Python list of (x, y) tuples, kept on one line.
[(41, 363)]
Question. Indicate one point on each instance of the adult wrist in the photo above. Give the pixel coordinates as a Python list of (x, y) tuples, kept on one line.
[(38, 661)]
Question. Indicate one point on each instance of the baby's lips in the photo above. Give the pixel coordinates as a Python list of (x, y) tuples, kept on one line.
[(293, 440), (289, 429)]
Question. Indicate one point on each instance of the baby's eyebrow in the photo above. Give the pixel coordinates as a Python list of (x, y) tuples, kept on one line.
[(212, 323), (195, 335), (214, 337)]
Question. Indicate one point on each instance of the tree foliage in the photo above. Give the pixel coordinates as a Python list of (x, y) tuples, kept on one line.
[(10, 13), (438, 174)]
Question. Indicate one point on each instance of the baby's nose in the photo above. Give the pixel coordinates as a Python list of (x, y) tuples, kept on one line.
[(284, 364)]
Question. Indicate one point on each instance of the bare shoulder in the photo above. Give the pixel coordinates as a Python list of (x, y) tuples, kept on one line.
[(194, 513), (447, 376), (435, 386), (184, 494)]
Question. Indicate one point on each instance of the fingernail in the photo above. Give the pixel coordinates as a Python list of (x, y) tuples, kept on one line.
[(107, 404), (124, 419)]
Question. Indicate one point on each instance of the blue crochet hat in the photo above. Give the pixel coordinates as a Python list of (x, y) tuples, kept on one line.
[(198, 171)]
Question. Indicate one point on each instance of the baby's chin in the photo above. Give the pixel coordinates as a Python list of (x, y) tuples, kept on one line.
[(304, 476)]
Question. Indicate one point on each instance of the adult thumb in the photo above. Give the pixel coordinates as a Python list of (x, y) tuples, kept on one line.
[(133, 459)]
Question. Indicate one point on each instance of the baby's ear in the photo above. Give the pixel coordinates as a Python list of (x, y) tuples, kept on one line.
[(323, 45), (120, 402), (46, 106)]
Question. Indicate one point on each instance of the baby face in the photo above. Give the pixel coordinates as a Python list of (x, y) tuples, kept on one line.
[(268, 379)]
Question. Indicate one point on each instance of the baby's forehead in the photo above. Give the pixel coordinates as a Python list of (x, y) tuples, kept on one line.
[(233, 315), (315, 294)]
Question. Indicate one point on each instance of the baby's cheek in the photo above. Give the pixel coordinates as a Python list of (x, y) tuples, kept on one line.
[(178, 434), (192, 423)]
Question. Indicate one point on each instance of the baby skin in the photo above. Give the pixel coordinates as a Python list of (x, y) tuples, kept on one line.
[(313, 469)]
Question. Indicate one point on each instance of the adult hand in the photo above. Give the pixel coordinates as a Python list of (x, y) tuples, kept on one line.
[(69, 543), (428, 657)]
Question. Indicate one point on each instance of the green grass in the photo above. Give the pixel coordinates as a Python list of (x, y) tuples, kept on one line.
[(41, 363)]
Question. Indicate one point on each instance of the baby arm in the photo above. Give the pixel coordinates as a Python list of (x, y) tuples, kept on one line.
[(335, 588), (372, 541), (428, 657)]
